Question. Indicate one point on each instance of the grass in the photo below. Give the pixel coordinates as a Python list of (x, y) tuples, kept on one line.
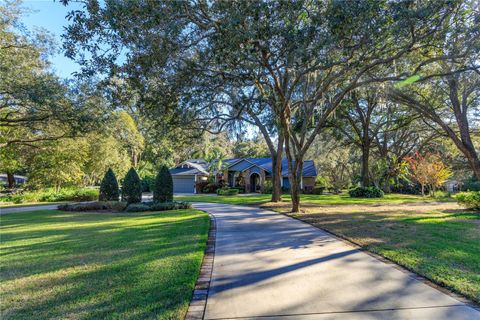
[(327, 199), (100, 265), (443, 246), (4, 205)]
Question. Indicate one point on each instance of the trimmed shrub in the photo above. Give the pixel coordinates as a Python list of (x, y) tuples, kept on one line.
[(469, 200), (109, 187), (132, 187), (366, 192), (94, 206), (163, 188), (227, 192), (157, 206)]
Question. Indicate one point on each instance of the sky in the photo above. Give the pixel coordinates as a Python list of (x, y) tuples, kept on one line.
[(50, 15)]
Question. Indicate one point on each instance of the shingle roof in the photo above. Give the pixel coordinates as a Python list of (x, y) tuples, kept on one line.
[(309, 169), (193, 168)]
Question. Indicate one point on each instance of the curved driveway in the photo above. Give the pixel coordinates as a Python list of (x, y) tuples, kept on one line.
[(271, 266)]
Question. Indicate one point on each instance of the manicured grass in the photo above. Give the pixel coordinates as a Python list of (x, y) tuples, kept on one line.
[(443, 246), (327, 199), (100, 265), (4, 205)]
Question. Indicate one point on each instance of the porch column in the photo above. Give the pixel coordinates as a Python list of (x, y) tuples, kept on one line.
[(195, 185)]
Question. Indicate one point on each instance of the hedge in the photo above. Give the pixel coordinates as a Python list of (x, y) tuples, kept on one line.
[(470, 200), (366, 192)]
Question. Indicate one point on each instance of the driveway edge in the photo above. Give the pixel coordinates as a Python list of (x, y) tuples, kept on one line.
[(198, 303), (404, 269)]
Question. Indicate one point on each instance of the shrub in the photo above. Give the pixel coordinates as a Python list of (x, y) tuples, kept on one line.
[(109, 187), (94, 206), (163, 188), (50, 195), (227, 192), (318, 190), (157, 206), (470, 200), (268, 187), (471, 184), (442, 195), (366, 192), (132, 187)]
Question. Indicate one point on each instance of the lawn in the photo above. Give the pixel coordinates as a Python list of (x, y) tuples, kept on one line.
[(326, 199), (100, 265), (442, 245)]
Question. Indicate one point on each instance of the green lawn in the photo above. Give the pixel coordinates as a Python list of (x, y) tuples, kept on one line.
[(327, 199), (442, 246), (100, 265)]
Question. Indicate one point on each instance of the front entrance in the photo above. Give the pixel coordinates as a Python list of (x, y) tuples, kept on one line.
[(254, 182)]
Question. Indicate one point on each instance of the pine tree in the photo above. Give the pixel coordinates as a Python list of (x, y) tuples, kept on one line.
[(109, 187), (163, 188), (132, 187)]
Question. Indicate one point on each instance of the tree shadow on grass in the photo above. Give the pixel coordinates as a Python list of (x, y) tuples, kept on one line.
[(108, 271)]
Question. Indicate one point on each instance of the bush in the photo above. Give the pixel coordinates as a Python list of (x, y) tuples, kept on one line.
[(366, 192), (157, 206), (471, 184), (94, 206), (470, 200), (109, 187), (227, 192), (163, 188), (268, 187), (318, 190), (442, 195), (50, 195), (132, 187)]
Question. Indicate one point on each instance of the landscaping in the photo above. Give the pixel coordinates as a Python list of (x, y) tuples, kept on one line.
[(50, 195), (100, 265), (442, 245)]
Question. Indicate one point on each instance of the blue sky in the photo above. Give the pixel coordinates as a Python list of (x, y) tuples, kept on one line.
[(50, 15)]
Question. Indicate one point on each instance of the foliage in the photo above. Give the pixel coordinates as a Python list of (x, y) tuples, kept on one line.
[(366, 192), (157, 206), (471, 184), (428, 170), (267, 187), (148, 183), (318, 189), (227, 191), (132, 187), (115, 206), (254, 148), (52, 195), (470, 200), (163, 187), (109, 187)]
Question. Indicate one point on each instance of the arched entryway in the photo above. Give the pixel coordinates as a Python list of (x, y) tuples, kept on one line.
[(254, 182)]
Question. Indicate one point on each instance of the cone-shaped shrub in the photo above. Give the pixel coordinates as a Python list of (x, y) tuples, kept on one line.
[(109, 187), (132, 187), (163, 188)]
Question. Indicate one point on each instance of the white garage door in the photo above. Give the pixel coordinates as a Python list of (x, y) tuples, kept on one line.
[(183, 184)]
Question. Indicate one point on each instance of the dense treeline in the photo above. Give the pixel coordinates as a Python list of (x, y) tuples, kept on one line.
[(377, 93)]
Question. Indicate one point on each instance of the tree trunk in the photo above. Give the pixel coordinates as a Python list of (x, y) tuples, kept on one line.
[(277, 171), (365, 166), (423, 190), (11, 180)]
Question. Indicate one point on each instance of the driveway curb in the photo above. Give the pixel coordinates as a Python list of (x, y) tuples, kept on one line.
[(198, 303)]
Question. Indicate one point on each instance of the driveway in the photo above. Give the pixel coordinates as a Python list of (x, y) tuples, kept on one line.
[(271, 266)]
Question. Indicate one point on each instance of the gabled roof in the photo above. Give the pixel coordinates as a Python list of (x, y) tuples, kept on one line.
[(190, 168), (309, 169)]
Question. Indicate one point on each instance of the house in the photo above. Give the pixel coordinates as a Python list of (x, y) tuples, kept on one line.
[(249, 173)]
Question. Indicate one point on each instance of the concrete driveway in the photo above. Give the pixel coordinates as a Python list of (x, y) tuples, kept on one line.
[(270, 266)]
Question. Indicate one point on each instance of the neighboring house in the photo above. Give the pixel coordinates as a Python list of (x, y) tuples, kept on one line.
[(248, 173)]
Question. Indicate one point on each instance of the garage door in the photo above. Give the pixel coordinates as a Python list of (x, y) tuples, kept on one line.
[(183, 184)]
